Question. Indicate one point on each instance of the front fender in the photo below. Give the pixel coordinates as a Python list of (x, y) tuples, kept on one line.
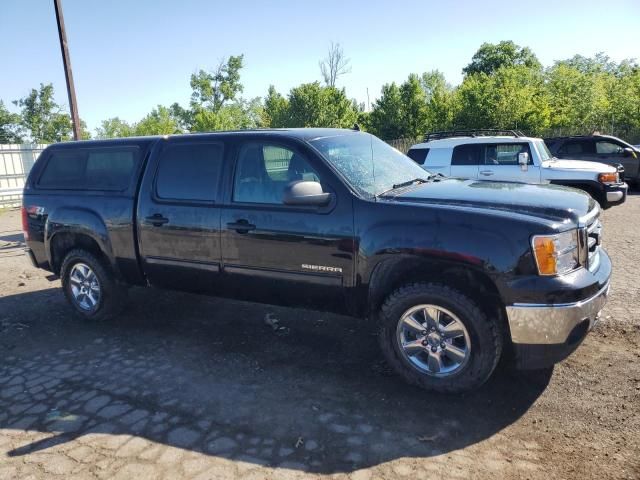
[(81, 221), (493, 245)]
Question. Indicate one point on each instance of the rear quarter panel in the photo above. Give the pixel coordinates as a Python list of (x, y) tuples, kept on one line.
[(108, 217)]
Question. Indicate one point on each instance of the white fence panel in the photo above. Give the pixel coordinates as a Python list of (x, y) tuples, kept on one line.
[(15, 163)]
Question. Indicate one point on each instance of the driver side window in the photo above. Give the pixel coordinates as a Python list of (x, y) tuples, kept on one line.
[(505, 153), (263, 171), (608, 148)]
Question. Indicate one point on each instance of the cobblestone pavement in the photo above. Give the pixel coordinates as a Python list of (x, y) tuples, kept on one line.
[(182, 386)]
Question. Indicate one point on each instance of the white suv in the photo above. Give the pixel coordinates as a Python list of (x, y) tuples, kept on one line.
[(513, 157)]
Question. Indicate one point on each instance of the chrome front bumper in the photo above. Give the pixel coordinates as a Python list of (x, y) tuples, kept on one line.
[(539, 324), (614, 196)]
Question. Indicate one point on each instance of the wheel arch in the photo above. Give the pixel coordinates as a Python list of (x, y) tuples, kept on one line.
[(391, 274), (69, 228)]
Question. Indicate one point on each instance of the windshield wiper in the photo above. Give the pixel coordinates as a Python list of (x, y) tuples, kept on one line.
[(395, 186), (410, 182)]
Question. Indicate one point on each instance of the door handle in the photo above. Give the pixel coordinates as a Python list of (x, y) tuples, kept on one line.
[(486, 173), (157, 220), (241, 226)]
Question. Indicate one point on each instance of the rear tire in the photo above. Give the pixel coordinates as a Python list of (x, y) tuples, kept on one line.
[(455, 353), (90, 286)]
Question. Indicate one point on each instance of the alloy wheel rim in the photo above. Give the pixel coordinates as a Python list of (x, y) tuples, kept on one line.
[(85, 286), (433, 340)]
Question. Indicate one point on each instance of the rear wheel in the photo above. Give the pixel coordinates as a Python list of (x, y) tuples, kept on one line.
[(437, 338), (90, 287)]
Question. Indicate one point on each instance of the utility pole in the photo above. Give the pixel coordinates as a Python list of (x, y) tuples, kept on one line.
[(71, 90)]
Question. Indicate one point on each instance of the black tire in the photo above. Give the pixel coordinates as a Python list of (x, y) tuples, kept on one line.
[(484, 333), (113, 296)]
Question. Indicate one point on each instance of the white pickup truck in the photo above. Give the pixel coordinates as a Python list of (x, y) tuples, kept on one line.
[(511, 156)]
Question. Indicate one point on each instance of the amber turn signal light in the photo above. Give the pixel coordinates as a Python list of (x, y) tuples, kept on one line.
[(545, 249), (608, 178)]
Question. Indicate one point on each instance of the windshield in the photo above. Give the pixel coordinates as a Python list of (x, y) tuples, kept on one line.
[(370, 165), (543, 150)]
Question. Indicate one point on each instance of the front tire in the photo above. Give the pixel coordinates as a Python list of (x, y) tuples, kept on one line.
[(437, 338), (90, 287)]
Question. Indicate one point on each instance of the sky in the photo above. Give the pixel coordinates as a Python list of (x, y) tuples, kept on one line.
[(130, 55)]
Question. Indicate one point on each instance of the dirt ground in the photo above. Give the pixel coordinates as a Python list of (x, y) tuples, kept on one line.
[(183, 386)]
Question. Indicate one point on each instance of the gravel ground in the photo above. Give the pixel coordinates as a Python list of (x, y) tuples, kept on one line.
[(183, 386)]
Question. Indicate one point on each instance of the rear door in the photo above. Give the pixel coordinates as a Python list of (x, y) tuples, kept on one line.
[(499, 161), (275, 253), (578, 149), (179, 214)]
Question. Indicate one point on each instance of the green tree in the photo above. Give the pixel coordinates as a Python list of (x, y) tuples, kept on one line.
[(512, 97), (490, 57), (276, 109), (624, 104), (115, 128), (212, 89), (414, 113), (312, 105), (440, 100), (43, 117), (159, 122), (240, 114), (385, 119), (10, 128), (401, 112), (183, 116), (599, 63), (578, 100)]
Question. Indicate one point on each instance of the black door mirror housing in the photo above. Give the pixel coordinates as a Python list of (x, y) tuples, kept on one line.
[(627, 152), (305, 193)]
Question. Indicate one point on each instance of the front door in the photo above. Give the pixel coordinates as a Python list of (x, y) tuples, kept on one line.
[(613, 153), (499, 161), (179, 215), (281, 254)]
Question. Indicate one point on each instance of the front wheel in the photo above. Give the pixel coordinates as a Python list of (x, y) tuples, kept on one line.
[(90, 287), (437, 338)]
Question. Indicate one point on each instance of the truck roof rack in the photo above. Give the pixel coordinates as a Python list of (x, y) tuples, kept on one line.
[(482, 132)]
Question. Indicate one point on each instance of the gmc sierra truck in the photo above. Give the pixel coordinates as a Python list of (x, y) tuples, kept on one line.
[(452, 273)]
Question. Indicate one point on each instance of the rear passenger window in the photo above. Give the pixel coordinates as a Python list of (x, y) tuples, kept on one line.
[(109, 168), (418, 155), (466, 155), (189, 172), (576, 148)]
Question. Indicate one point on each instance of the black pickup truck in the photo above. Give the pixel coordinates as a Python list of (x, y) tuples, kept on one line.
[(452, 273)]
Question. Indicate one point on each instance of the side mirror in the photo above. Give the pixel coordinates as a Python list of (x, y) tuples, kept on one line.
[(305, 193), (523, 161), (627, 152)]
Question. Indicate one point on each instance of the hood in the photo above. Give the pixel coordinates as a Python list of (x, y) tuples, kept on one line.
[(568, 164), (551, 202)]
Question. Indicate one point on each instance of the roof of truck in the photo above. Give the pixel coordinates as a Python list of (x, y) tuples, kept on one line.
[(464, 140), (301, 133)]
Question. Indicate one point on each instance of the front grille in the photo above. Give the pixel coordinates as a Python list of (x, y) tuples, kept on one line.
[(594, 240)]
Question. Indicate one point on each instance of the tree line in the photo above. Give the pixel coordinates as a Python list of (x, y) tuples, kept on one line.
[(504, 86)]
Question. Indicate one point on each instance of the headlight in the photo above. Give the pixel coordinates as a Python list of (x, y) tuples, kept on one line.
[(609, 178), (556, 254)]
